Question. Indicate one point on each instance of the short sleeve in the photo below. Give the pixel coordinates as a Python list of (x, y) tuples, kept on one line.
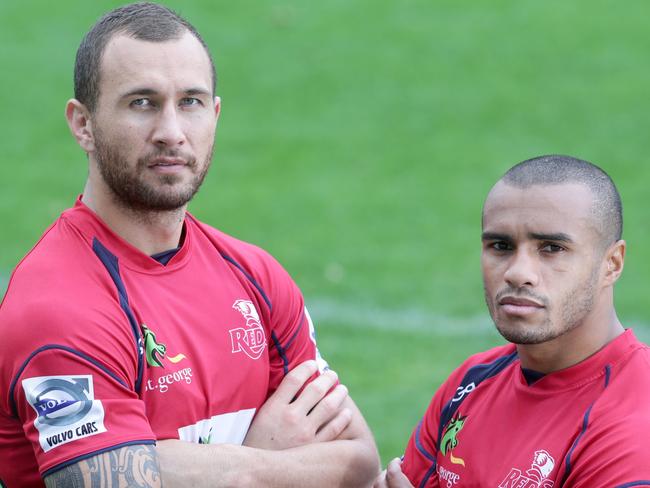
[(419, 463), (293, 336), (72, 406), (616, 454)]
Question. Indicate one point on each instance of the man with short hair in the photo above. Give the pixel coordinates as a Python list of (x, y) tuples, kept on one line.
[(140, 345), (567, 403)]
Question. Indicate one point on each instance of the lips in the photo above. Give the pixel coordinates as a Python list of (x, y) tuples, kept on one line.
[(167, 161), (519, 301), (513, 305)]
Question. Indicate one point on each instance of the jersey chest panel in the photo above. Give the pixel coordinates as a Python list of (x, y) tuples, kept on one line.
[(504, 436), (206, 350)]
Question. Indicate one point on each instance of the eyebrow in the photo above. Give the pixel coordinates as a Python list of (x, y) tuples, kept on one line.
[(555, 237), (493, 236), (151, 91)]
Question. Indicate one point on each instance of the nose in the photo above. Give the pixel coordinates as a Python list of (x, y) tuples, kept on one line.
[(168, 131), (522, 270)]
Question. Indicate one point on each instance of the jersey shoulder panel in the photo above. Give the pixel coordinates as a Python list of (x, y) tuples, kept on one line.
[(420, 463), (612, 448), (253, 259), (61, 295), (276, 288)]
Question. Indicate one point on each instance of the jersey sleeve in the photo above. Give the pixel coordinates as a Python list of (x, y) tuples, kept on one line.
[(419, 462), (292, 332), (70, 384), (420, 458), (615, 454)]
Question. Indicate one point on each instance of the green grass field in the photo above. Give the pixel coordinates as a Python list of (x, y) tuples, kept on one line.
[(357, 141)]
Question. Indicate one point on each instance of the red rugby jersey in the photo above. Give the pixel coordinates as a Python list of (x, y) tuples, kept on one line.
[(103, 346), (585, 426)]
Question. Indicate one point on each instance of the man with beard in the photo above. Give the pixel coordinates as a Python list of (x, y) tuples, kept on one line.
[(141, 345), (567, 403)]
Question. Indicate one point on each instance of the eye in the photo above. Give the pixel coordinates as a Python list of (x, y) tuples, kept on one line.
[(552, 248), (141, 102), (500, 246), (190, 101)]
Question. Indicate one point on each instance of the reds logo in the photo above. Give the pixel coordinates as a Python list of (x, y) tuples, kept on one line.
[(250, 339), (536, 477)]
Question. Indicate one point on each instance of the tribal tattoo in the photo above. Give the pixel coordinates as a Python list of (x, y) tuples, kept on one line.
[(130, 466)]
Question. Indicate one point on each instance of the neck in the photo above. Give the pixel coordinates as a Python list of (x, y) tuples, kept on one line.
[(149, 231), (574, 346)]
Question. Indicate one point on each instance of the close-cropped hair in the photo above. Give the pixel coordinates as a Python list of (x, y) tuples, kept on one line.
[(144, 21), (555, 169)]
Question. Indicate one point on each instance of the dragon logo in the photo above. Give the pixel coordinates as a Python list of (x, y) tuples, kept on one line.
[(156, 351), (449, 440), (251, 340)]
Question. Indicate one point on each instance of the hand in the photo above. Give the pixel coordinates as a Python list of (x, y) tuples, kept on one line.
[(315, 415), (392, 476)]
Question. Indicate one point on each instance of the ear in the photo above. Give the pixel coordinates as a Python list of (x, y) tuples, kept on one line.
[(613, 262), (217, 106), (80, 124)]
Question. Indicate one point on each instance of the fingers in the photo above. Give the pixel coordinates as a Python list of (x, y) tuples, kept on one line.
[(394, 476), (335, 427), (294, 381), (329, 408), (380, 482), (315, 391)]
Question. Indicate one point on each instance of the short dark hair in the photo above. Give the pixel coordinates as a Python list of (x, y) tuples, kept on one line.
[(559, 169), (145, 21)]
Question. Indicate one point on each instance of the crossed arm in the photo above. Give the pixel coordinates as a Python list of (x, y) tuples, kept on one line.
[(318, 439)]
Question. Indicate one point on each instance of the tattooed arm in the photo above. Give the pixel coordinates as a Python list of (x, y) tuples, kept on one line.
[(132, 466)]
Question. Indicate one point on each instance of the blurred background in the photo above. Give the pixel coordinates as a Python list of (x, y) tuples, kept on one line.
[(357, 141)]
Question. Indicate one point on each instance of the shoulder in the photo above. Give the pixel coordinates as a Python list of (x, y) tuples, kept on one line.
[(613, 447), (244, 253), (618, 423), (474, 370), (59, 301), (486, 364), (257, 264)]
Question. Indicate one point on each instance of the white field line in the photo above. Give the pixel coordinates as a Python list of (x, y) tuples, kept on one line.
[(326, 311), (409, 319)]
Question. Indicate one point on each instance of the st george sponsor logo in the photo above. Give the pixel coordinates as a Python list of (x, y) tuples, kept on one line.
[(155, 351), (536, 477), (447, 477), (66, 409), (448, 443), (251, 339), (449, 440), (163, 382)]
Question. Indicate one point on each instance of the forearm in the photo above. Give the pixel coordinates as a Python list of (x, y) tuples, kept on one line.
[(132, 466), (340, 463)]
